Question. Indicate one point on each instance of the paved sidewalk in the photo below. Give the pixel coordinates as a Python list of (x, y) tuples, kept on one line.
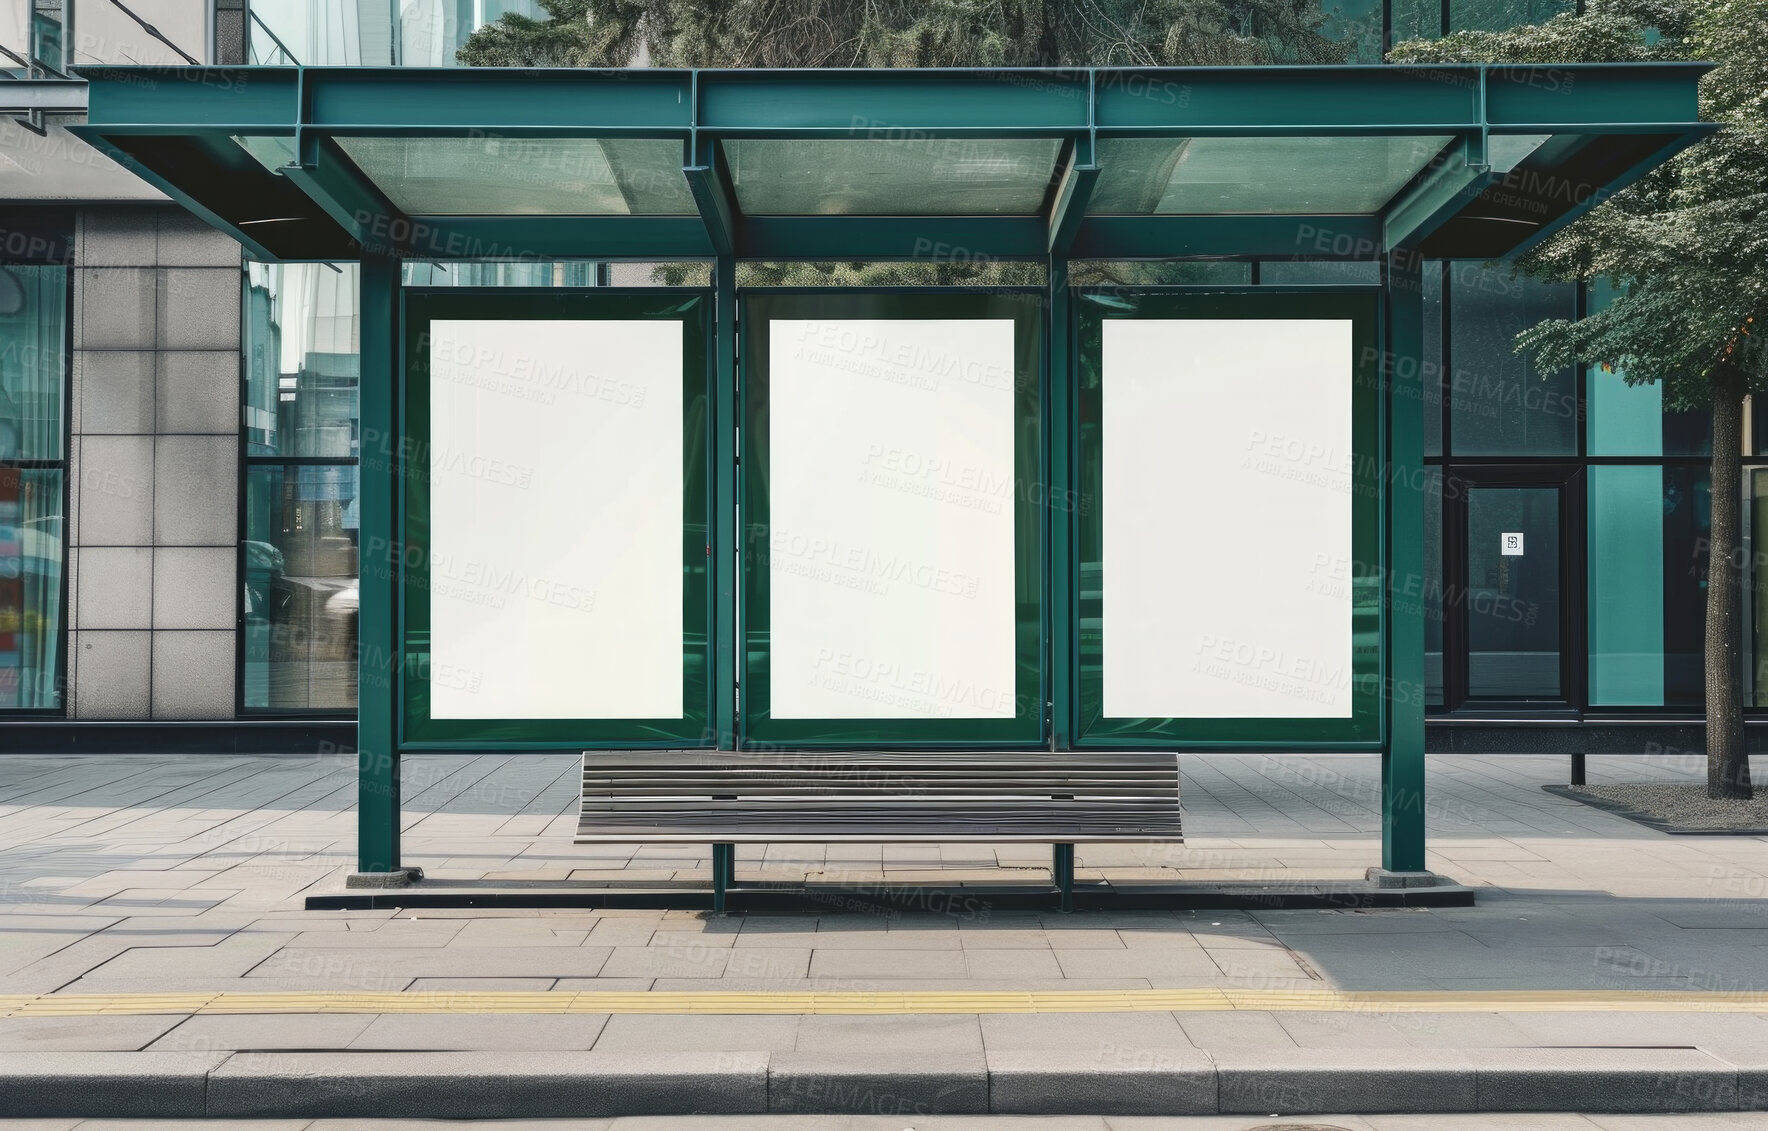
[(183, 876)]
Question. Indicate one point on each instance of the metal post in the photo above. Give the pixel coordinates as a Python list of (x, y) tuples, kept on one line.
[(1402, 756), (378, 541), (724, 502), (1060, 512), (1062, 871), (724, 871), (1577, 769)]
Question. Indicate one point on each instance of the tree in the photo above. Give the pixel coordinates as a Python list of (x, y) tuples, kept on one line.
[(907, 33), (1684, 247)]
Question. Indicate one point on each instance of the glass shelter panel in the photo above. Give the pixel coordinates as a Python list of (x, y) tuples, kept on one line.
[(902, 176), (1300, 175), (1228, 582), (525, 176), (556, 570), (892, 565)]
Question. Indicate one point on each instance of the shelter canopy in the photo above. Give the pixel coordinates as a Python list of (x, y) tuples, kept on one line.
[(1346, 162)]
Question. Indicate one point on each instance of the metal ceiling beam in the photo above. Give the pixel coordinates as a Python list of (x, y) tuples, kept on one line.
[(332, 181), (1068, 206)]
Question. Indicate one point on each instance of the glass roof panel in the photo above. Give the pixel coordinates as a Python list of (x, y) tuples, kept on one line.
[(907, 176), (1289, 175), (525, 176)]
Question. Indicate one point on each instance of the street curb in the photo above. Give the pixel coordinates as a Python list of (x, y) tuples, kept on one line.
[(1107, 1081)]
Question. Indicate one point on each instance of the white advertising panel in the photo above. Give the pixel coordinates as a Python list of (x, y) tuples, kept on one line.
[(1226, 510), (555, 519), (891, 491)]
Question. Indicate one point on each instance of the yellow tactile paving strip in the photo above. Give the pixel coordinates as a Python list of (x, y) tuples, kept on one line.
[(898, 1002)]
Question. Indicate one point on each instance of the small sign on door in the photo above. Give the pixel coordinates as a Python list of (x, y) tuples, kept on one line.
[(1510, 545)]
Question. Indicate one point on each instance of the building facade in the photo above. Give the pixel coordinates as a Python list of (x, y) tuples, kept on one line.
[(181, 431)]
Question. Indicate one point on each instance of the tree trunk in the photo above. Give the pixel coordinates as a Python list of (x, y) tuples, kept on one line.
[(1728, 762)]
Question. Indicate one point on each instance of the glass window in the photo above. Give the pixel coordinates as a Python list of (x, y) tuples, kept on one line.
[(1357, 25), (1284, 175), (1416, 19), (301, 360), (410, 33), (1431, 587), (1500, 403), (301, 373), (1319, 272), (1648, 578), (33, 483), (33, 360), (1431, 358), (1629, 420), (300, 587), (1501, 15)]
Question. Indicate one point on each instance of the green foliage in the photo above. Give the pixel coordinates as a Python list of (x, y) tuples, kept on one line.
[(907, 33), (1685, 244)]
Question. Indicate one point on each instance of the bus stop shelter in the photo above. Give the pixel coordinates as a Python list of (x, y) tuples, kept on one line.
[(1058, 517)]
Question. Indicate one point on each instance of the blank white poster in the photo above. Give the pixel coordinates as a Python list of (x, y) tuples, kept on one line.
[(890, 479), (555, 519), (1227, 492)]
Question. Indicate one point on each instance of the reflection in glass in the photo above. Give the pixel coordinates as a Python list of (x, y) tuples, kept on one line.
[(1513, 592), (1500, 403), (1501, 15), (1283, 175), (1630, 420), (492, 175), (408, 33), (910, 175), (31, 548), (300, 587), (33, 360), (1431, 587), (301, 360)]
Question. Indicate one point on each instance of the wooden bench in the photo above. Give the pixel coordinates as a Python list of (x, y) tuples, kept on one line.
[(725, 799)]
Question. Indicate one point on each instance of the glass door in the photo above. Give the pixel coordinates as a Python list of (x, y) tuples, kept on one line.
[(1508, 592)]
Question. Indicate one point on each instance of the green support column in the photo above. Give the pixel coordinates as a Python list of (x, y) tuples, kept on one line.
[(379, 540), (724, 502), (1060, 513), (1402, 759)]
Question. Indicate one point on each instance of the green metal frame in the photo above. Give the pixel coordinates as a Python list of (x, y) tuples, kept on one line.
[(168, 122), (757, 727), (697, 726), (1363, 729), (303, 199)]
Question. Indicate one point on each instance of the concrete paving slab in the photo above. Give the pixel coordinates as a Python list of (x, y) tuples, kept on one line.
[(839, 1035), (1097, 1036), (491, 1032), (241, 1032), (726, 1033), (91, 1034)]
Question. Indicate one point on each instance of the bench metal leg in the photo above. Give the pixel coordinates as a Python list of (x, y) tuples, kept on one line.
[(1062, 869), (1577, 769), (724, 871)]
